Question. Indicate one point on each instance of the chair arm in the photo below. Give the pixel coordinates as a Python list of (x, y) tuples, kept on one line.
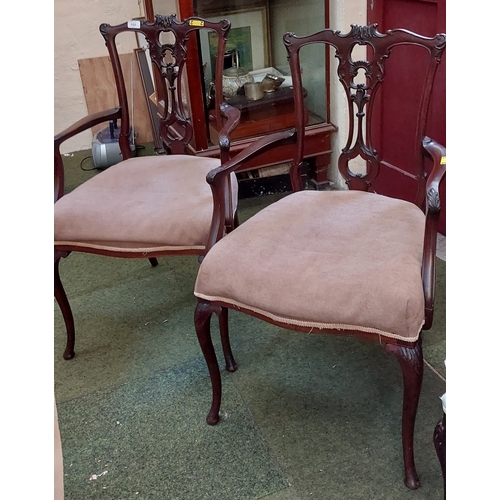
[(87, 122), (218, 178), (254, 149), (81, 125), (232, 118), (437, 153)]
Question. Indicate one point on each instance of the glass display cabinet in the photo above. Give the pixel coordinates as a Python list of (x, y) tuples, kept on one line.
[(255, 54)]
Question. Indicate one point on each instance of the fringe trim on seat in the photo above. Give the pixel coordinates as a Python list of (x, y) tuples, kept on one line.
[(309, 324), (128, 249)]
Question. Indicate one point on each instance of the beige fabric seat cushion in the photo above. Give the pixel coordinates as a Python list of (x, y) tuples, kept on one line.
[(144, 203), (326, 259)]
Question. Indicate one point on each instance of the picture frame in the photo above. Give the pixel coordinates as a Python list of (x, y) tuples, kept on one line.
[(248, 35)]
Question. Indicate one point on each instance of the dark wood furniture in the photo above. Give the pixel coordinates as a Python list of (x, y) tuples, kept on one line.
[(339, 262), (253, 126), (147, 207), (439, 439), (275, 111)]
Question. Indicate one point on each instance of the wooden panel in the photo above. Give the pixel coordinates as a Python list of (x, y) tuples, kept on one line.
[(100, 91), (426, 17)]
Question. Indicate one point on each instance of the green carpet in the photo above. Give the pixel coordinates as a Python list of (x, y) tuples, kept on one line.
[(147, 439), (305, 416)]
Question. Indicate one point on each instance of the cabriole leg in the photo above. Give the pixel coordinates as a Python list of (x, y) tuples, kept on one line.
[(202, 315), (231, 365), (411, 362), (63, 302)]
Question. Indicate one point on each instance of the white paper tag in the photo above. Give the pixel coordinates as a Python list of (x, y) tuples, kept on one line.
[(134, 24)]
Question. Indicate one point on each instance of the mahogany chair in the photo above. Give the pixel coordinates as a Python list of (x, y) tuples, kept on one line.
[(341, 262), (150, 206)]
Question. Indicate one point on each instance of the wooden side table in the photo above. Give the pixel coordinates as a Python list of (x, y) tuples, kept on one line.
[(440, 442), (275, 111)]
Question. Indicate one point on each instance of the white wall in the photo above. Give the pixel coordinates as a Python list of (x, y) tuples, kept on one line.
[(77, 36), (342, 15)]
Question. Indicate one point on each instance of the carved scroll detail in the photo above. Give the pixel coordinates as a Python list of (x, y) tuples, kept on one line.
[(103, 30), (354, 69), (433, 201), (166, 21), (411, 357), (363, 33)]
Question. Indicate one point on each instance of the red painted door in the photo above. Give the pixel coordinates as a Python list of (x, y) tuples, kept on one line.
[(394, 136)]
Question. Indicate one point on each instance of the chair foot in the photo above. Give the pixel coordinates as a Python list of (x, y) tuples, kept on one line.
[(69, 354), (62, 300), (412, 481), (202, 315), (212, 418), (153, 261), (411, 362), (231, 365)]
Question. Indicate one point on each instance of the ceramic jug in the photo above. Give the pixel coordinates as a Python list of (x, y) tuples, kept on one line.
[(234, 77)]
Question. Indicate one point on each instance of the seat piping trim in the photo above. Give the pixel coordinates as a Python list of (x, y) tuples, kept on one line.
[(309, 324), (128, 249)]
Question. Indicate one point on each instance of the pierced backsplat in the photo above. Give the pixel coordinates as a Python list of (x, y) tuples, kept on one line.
[(361, 79), (169, 59)]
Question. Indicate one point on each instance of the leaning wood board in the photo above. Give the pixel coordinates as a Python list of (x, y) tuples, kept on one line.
[(99, 88)]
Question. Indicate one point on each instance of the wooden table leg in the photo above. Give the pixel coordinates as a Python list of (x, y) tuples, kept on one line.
[(440, 446), (320, 173)]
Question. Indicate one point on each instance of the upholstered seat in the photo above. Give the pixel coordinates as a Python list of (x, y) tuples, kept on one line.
[(299, 247), (146, 207), (151, 203)]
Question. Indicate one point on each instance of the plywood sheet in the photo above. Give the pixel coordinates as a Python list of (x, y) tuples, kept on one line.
[(100, 91)]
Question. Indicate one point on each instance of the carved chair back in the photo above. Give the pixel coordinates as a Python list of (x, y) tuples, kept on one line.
[(361, 97), (168, 41)]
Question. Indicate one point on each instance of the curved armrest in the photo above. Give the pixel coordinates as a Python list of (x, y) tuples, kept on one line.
[(232, 118), (81, 125), (256, 148), (86, 123), (437, 153), (218, 178)]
